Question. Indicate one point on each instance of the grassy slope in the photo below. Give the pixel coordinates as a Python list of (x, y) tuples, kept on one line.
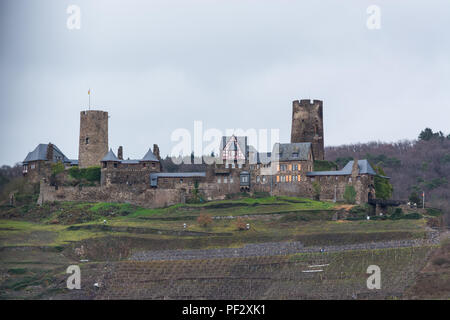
[(48, 237)]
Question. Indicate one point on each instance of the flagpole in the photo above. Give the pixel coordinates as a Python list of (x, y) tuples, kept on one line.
[(423, 200)]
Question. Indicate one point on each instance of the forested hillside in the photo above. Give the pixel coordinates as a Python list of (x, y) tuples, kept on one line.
[(414, 166)]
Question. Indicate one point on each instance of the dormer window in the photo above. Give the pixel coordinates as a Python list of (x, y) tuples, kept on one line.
[(295, 154)]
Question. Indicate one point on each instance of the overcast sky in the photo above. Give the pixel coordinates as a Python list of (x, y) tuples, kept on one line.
[(156, 66)]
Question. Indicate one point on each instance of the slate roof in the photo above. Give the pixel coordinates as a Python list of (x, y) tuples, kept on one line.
[(149, 156), (128, 161), (260, 158), (241, 141), (40, 153), (177, 174), (110, 156), (154, 176), (363, 165), (291, 151)]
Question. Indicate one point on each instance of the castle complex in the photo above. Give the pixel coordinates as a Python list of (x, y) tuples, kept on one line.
[(287, 170)]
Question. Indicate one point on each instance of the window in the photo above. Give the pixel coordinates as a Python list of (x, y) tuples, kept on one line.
[(294, 178), (153, 165), (295, 155), (87, 140), (257, 179), (278, 178), (181, 180), (232, 165), (240, 165), (350, 179), (225, 180), (33, 166), (299, 167), (264, 179), (115, 165), (299, 178), (218, 180), (231, 179)]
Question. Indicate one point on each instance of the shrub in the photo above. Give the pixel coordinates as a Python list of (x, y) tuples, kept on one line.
[(359, 209), (261, 194), (323, 165), (396, 215), (91, 174), (414, 215), (434, 212), (350, 194), (204, 220), (57, 168), (440, 261), (317, 190), (240, 224)]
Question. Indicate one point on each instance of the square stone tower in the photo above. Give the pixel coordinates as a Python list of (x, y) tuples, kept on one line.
[(93, 144), (307, 125)]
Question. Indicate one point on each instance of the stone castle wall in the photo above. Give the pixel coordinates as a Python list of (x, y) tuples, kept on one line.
[(93, 144), (147, 198), (307, 125)]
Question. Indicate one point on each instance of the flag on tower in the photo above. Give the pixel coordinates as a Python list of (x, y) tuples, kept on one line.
[(89, 91)]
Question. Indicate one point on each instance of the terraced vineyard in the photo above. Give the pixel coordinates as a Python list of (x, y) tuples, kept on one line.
[(266, 261), (277, 277)]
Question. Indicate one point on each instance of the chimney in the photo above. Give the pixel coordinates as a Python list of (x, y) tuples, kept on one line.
[(50, 152), (120, 153), (156, 151), (355, 168)]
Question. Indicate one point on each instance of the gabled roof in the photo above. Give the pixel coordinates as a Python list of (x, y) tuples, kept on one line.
[(110, 156), (291, 151), (260, 157), (363, 165), (149, 156), (40, 153), (241, 141)]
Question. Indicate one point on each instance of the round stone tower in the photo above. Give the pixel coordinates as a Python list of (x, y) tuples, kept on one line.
[(93, 143), (307, 125)]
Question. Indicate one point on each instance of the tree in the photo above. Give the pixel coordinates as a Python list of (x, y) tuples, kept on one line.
[(240, 224), (317, 190), (415, 198), (204, 220), (350, 194), (383, 188), (427, 134)]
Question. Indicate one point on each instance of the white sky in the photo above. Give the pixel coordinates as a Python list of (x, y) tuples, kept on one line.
[(157, 66)]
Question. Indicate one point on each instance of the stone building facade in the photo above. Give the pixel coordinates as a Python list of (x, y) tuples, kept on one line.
[(287, 170)]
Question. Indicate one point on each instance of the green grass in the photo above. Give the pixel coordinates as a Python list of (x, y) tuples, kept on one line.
[(245, 206)]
